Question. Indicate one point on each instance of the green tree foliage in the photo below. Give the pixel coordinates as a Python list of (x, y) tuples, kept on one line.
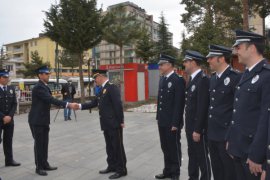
[(121, 28), (68, 59), (30, 67), (261, 6), (210, 22), (164, 44), (76, 26), (145, 47)]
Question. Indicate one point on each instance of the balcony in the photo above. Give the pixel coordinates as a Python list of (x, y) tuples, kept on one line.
[(16, 60), (17, 51)]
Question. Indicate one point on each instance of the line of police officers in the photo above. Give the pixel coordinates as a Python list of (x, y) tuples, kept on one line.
[(226, 115)]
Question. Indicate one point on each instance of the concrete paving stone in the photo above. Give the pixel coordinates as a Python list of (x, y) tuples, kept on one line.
[(78, 148)]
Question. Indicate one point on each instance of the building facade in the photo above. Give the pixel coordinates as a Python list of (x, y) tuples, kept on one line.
[(20, 52), (107, 53)]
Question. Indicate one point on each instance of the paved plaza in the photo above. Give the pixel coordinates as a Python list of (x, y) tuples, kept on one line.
[(78, 148)]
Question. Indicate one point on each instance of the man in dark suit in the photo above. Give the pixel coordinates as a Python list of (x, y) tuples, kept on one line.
[(196, 112), (68, 91), (111, 115), (39, 119), (222, 88), (247, 136), (8, 105), (170, 107)]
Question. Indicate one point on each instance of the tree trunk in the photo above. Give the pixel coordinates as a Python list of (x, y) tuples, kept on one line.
[(56, 65), (245, 15), (80, 56), (263, 28), (122, 83)]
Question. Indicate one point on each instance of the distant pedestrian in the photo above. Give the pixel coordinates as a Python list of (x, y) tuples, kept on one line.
[(68, 91)]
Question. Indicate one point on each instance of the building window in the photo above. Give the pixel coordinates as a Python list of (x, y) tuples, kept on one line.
[(9, 67), (97, 55)]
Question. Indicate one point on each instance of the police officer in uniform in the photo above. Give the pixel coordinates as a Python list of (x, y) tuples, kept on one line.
[(111, 114), (266, 172), (8, 105), (39, 119), (222, 89), (196, 113), (247, 136), (170, 107)]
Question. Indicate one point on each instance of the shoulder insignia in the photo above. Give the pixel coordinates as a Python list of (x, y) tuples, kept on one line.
[(266, 66), (204, 75), (236, 71)]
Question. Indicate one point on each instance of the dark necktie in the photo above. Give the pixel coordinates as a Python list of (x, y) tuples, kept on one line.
[(189, 81), (161, 81), (5, 88), (245, 74)]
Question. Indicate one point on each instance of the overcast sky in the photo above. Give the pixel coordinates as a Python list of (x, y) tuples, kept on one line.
[(23, 19)]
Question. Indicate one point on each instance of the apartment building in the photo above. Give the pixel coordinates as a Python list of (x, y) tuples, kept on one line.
[(20, 52), (107, 53)]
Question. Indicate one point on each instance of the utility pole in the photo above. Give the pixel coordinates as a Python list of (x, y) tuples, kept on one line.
[(56, 64)]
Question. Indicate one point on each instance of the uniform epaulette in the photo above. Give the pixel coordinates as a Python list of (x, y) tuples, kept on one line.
[(204, 75), (234, 71), (180, 76), (266, 66)]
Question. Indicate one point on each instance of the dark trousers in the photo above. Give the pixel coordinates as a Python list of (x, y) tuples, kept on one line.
[(116, 156), (198, 158), (41, 141), (222, 163), (171, 148), (242, 170), (8, 130)]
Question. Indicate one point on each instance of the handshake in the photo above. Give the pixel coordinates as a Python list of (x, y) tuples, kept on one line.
[(74, 106)]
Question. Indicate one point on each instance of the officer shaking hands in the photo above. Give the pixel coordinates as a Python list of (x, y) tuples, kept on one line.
[(170, 107), (196, 112), (222, 88), (247, 136), (8, 105), (111, 116), (39, 119)]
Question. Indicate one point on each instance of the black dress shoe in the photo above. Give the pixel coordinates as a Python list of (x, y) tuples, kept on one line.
[(12, 163), (175, 177), (117, 175), (162, 176), (50, 168), (41, 172), (69, 118), (105, 171)]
